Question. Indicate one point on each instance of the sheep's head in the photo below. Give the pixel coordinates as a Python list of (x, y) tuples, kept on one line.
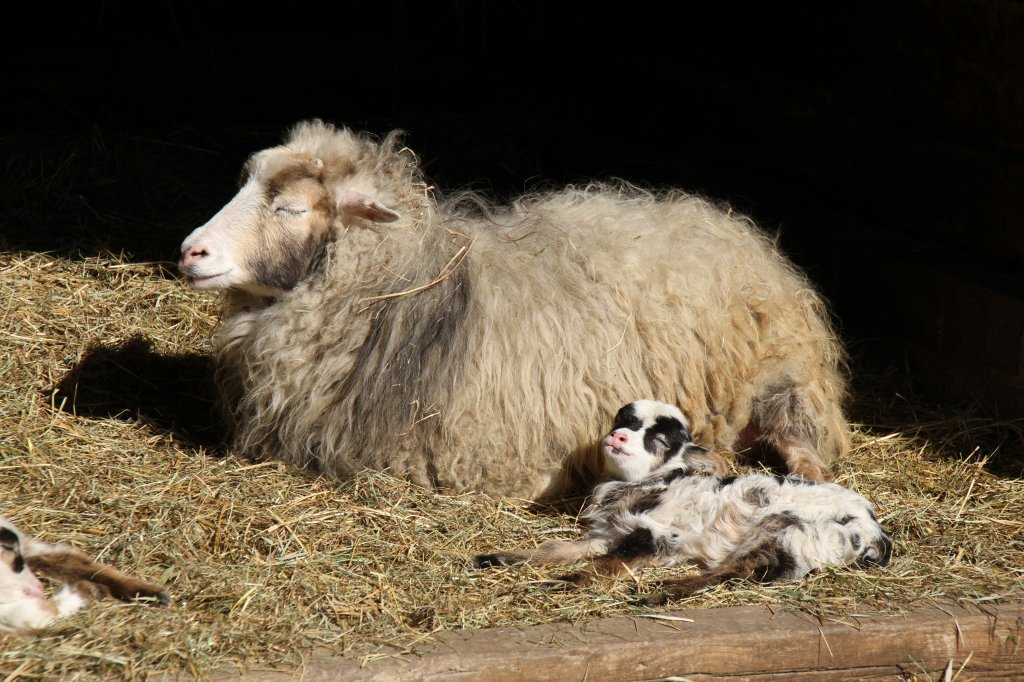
[(293, 201)]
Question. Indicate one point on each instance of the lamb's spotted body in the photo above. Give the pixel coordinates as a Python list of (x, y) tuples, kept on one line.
[(666, 511)]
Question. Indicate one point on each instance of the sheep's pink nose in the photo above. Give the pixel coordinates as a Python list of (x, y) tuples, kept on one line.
[(192, 255)]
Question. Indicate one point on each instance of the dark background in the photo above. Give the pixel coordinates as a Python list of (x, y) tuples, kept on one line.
[(883, 141)]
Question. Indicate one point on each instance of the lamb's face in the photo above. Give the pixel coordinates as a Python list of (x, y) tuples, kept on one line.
[(644, 435), (16, 580), (274, 232)]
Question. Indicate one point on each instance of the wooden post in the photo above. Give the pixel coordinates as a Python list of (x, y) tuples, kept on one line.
[(746, 642)]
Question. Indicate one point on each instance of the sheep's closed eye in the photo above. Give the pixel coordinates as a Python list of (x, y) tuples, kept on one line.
[(662, 441), (289, 209)]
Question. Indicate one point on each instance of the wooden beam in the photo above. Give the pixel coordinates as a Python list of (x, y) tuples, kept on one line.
[(747, 642)]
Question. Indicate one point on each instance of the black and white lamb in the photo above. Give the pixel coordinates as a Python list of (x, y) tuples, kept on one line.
[(23, 603), (667, 510)]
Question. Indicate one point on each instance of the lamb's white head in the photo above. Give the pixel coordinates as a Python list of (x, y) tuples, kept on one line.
[(645, 434), (16, 579), (293, 199)]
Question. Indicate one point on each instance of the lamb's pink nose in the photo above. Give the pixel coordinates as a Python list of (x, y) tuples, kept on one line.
[(617, 439), (193, 254), (34, 588)]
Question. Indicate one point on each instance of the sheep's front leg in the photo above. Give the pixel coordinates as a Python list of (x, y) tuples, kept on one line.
[(550, 552)]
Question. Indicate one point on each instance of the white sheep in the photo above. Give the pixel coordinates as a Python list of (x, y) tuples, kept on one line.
[(667, 511), (23, 604), (468, 346)]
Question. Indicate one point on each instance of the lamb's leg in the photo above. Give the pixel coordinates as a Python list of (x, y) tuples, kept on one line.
[(550, 552), (71, 566), (803, 427), (636, 548), (748, 566)]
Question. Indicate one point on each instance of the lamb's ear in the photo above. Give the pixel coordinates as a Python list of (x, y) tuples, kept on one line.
[(355, 203)]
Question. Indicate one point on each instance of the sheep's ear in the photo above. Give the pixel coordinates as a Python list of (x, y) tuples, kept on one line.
[(354, 203)]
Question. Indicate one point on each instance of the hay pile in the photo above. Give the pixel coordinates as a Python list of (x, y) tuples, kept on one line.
[(108, 442)]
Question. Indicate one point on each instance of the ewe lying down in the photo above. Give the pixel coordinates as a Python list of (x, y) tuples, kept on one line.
[(370, 324), (665, 510)]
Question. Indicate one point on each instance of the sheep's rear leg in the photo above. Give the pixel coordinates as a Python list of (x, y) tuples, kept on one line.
[(803, 461), (802, 426)]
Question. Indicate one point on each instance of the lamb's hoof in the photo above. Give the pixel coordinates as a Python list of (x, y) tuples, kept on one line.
[(145, 593), (659, 598), (577, 578), (489, 561), (553, 586), (163, 598), (673, 590)]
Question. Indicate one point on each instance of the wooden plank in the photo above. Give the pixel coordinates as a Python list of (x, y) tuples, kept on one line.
[(745, 642)]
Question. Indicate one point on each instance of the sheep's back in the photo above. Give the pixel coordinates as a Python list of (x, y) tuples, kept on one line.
[(585, 300)]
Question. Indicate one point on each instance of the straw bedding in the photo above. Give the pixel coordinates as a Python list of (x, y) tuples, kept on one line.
[(108, 442)]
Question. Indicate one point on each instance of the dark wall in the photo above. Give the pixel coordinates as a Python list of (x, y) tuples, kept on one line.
[(884, 141)]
